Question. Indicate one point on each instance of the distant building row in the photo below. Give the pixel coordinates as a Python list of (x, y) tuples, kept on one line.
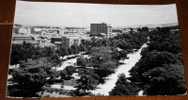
[(49, 36)]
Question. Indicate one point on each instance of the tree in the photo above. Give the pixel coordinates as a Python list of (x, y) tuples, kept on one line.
[(82, 61), (130, 41), (74, 49), (160, 69), (62, 50), (85, 83), (102, 61), (164, 80), (66, 74), (15, 54), (164, 40), (124, 87), (28, 80), (106, 68), (28, 51)]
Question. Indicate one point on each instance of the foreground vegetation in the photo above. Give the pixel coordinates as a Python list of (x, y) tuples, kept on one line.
[(159, 71)]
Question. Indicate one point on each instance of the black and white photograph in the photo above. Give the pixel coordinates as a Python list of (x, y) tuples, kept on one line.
[(61, 49)]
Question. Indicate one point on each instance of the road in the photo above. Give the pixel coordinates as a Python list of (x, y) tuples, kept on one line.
[(133, 58)]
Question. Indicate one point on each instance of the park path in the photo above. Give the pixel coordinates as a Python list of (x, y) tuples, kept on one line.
[(133, 58)]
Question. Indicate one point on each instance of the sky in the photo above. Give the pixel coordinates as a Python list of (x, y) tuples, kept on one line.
[(81, 15)]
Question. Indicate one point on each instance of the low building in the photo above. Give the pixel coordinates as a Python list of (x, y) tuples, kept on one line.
[(74, 39), (71, 40), (118, 31), (57, 40), (24, 30), (74, 30), (21, 38), (16, 28)]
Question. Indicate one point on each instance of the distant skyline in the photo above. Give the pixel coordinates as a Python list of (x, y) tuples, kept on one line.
[(81, 15)]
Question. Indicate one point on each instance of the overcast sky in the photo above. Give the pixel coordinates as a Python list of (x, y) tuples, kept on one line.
[(77, 14)]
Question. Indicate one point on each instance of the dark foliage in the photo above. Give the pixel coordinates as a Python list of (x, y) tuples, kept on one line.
[(28, 79), (160, 70), (66, 74), (85, 83), (124, 87)]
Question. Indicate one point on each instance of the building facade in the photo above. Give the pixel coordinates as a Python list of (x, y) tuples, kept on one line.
[(21, 38), (100, 29), (74, 30)]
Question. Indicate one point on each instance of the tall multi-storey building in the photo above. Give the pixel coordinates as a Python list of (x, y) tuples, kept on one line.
[(99, 29)]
